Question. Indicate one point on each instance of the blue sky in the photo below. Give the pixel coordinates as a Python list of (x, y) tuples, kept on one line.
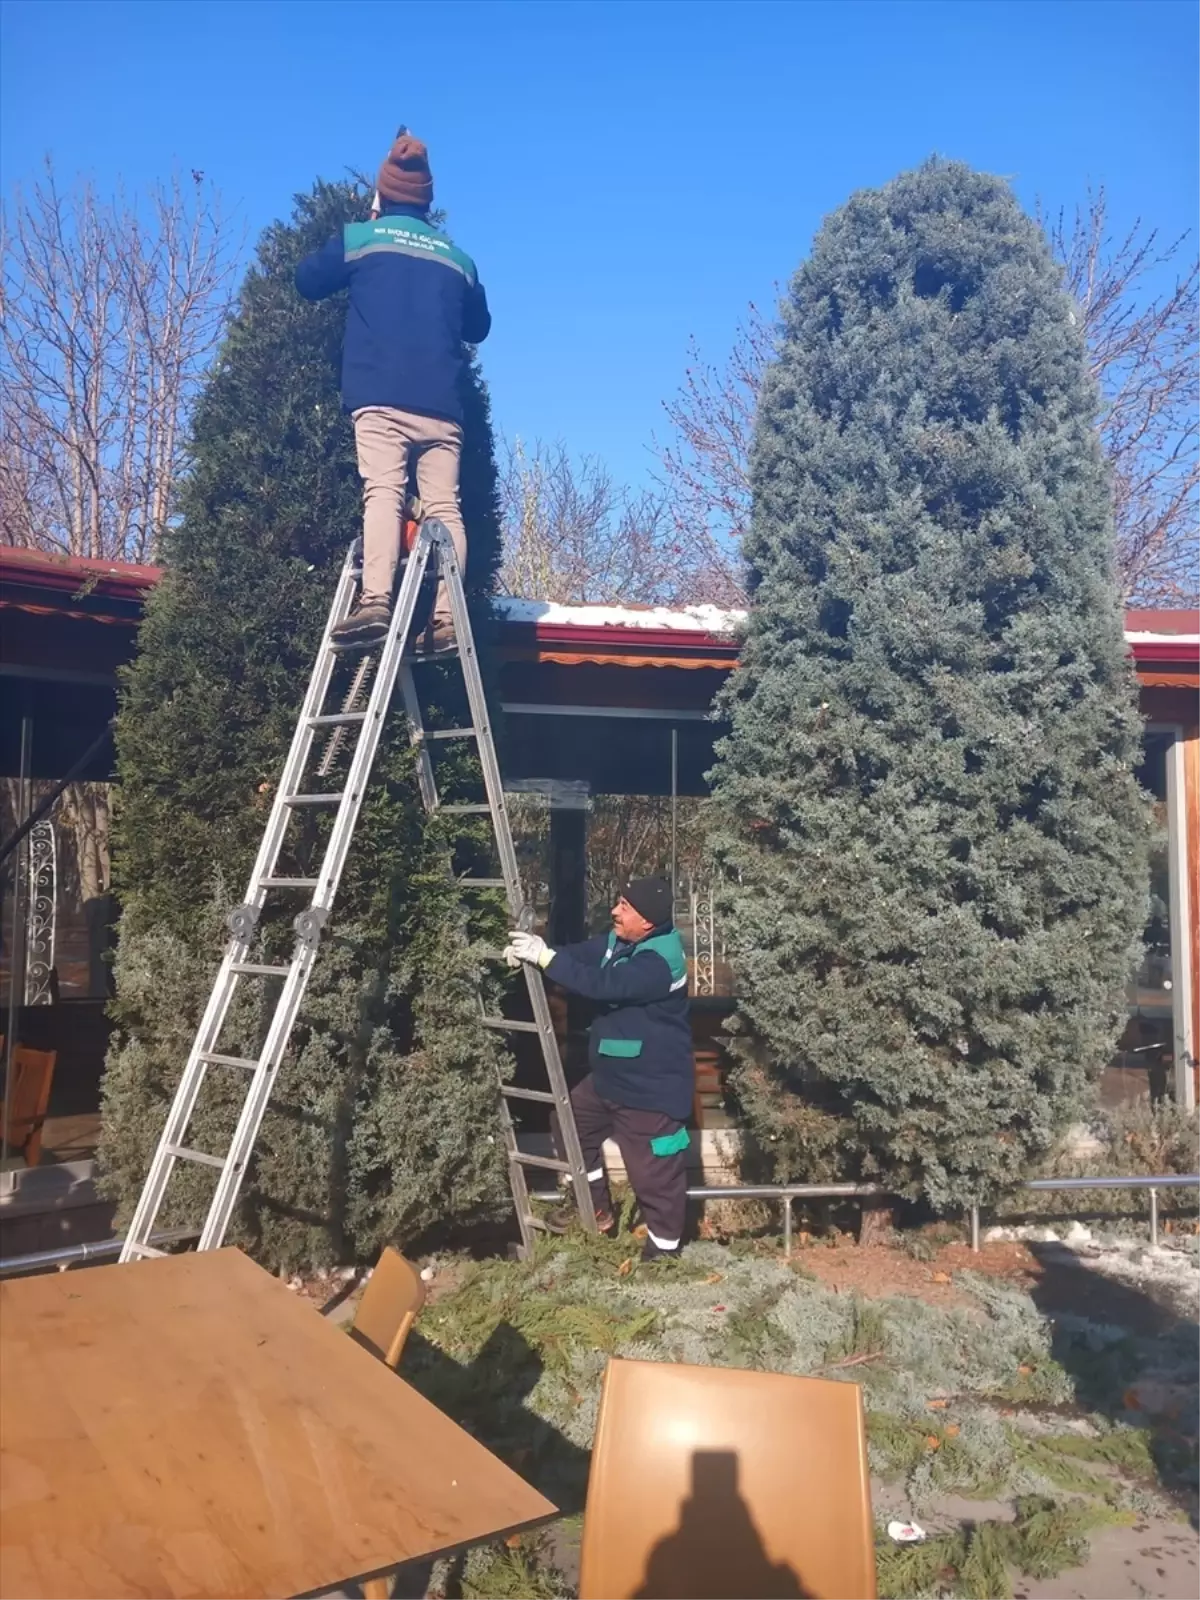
[(626, 175)]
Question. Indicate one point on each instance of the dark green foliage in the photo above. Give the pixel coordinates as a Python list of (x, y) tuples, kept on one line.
[(926, 811), (384, 1118)]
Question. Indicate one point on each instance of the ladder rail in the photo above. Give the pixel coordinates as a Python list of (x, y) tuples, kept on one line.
[(432, 546), (191, 1082), (254, 1106), (427, 783), (302, 739), (329, 877), (510, 869), (416, 733)]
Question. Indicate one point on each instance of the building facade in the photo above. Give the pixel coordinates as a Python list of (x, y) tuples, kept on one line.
[(606, 735)]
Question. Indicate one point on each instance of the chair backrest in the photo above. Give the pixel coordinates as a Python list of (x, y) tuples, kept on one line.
[(709, 1481), (26, 1099), (389, 1306)]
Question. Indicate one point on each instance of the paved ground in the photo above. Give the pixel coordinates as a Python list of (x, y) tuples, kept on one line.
[(1157, 1560)]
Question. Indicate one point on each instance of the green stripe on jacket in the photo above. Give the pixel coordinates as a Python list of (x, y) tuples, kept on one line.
[(407, 236)]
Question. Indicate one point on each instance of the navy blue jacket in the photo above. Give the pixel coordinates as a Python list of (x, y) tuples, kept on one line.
[(415, 300), (640, 1046)]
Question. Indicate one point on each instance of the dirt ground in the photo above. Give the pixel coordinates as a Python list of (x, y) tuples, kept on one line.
[(882, 1270)]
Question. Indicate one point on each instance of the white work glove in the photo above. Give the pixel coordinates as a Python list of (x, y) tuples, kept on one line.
[(529, 947)]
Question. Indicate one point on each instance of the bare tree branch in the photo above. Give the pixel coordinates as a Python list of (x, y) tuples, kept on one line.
[(1143, 354), (571, 535), (1142, 343), (706, 465), (110, 312)]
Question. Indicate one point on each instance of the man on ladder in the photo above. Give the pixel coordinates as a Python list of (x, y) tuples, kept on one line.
[(639, 1091), (415, 300)]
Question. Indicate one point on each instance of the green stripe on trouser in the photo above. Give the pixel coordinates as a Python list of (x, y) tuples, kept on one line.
[(670, 1144), (622, 1049)]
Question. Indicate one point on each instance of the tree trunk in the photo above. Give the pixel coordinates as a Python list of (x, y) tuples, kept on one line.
[(878, 1221)]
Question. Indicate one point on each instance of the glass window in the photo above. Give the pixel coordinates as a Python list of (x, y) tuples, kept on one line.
[(56, 931), (56, 916), (1145, 1060)]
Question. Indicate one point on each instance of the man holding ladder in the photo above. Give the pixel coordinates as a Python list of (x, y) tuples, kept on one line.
[(640, 1087)]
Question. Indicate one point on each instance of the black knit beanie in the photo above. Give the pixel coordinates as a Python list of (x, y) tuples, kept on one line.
[(651, 897)]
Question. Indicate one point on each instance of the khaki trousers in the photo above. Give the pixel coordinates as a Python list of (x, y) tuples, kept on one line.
[(387, 441)]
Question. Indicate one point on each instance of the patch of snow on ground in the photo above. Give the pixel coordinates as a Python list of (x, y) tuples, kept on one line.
[(1172, 1271)]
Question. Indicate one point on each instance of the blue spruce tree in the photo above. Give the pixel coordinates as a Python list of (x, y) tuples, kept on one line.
[(933, 842)]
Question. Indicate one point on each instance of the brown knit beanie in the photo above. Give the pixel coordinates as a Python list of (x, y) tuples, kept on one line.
[(404, 178)]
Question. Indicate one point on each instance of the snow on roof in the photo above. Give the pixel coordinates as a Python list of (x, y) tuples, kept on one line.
[(1137, 636), (720, 620), (1155, 630), (683, 619)]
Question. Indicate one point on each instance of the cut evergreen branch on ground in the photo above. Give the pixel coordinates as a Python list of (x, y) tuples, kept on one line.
[(988, 1400), (1044, 1538)]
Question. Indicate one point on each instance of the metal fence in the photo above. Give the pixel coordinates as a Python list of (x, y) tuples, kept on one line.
[(1172, 1180), (786, 1193), (70, 1254), (789, 1193)]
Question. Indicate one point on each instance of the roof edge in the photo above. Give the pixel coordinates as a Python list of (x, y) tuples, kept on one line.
[(1159, 636)]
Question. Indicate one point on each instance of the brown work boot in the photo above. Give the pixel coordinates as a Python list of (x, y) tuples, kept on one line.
[(365, 627), (564, 1218), (437, 639)]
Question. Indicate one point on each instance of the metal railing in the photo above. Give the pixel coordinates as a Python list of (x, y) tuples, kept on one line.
[(789, 1193), (69, 1254), (1170, 1180), (786, 1193)]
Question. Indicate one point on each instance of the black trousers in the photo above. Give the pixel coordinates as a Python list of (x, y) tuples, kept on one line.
[(659, 1182)]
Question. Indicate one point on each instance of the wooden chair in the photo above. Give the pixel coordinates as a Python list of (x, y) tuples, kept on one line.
[(710, 1482), (23, 1110), (389, 1306)]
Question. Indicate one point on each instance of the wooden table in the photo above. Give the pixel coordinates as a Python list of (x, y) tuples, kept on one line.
[(188, 1426)]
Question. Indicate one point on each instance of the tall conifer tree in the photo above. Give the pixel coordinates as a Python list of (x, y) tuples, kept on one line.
[(384, 1118), (933, 840)]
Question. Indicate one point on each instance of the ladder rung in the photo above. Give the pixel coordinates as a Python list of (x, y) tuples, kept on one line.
[(357, 725), (506, 1023), (551, 1163), (202, 1156)]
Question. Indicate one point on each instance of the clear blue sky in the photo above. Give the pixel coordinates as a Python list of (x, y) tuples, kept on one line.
[(626, 175)]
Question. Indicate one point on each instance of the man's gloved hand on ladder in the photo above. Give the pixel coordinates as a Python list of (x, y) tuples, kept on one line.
[(529, 947)]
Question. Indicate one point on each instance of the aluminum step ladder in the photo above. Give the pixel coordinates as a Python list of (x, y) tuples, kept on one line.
[(381, 668)]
